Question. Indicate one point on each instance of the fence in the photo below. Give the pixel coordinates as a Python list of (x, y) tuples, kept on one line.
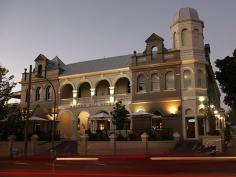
[(114, 147)]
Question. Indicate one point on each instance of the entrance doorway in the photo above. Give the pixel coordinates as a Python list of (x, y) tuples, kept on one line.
[(83, 121), (190, 125), (65, 125)]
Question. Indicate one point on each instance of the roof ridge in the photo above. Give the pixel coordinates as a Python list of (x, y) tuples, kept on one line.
[(105, 58)]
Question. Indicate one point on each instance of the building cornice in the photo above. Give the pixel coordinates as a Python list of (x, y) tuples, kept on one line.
[(95, 73)]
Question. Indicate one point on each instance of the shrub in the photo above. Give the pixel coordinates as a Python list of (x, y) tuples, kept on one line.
[(120, 137), (98, 136)]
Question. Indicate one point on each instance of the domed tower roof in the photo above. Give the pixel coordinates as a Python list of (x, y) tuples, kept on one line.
[(186, 13)]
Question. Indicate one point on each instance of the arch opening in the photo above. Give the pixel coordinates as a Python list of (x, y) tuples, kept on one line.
[(102, 88), (122, 86), (67, 91), (84, 90), (65, 125)]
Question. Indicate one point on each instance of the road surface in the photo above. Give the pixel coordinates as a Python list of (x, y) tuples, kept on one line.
[(139, 166)]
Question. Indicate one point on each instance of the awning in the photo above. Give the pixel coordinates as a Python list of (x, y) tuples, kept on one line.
[(143, 113), (34, 118)]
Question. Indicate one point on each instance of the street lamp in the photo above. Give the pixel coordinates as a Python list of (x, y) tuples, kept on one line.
[(53, 151)]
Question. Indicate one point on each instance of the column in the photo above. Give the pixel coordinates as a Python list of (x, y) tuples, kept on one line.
[(196, 127), (74, 97), (92, 94), (112, 94)]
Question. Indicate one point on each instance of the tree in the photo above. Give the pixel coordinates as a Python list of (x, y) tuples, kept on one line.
[(227, 77), (119, 115), (6, 85), (14, 124)]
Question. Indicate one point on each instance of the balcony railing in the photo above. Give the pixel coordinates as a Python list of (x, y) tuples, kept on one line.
[(66, 102), (96, 100)]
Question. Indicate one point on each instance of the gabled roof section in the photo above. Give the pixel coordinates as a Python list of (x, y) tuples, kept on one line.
[(154, 37), (56, 62), (41, 57), (98, 65)]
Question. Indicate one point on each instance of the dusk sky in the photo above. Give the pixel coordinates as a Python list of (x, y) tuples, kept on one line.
[(77, 30)]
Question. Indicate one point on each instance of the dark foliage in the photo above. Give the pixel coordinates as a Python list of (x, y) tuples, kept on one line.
[(119, 115)]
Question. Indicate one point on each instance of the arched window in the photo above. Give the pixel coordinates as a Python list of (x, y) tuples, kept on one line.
[(141, 83), (84, 90), (102, 88), (196, 37), (155, 82), (122, 86), (174, 40), (40, 69), (200, 79), (37, 94), (154, 52), (170, 80), (47, 95), (26, 95), (67, 91), (184, 37), (187, 78)]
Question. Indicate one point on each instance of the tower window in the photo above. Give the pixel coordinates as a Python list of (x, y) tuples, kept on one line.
[(37, 94), (170, 80), (184, 37), (200, 79), (154, 52), (141, 83), (187, 78), (48, 96), (155, 82), (39, 70)]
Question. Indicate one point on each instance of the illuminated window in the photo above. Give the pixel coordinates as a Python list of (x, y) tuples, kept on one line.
[(37, 94), (187, 78), (141, 83), (101, 126), (170, 80), (154, 52), (155, 82)]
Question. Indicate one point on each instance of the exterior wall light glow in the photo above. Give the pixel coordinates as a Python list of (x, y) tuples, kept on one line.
[(172, 109), (212, 106), (202, 98), (201, 106), (140, 109), (215, 112)]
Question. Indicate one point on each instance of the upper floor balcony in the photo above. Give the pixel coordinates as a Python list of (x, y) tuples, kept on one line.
[(95, 100), (102, 94)]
